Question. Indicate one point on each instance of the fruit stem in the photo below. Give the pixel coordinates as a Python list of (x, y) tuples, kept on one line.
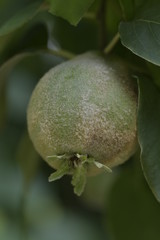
[(112, 43), (61, 53)]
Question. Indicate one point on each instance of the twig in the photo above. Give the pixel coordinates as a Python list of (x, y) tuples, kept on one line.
[(111, 44)]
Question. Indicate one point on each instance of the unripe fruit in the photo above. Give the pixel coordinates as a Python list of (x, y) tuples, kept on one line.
[(82, 115)]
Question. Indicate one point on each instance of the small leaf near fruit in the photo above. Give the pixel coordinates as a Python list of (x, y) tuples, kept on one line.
[(79, 179), (63, 170), (100, 165)]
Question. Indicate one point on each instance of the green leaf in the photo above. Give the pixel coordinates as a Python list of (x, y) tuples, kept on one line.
[(79, 179), (132, 211), (142, 35), (20, 18), (77, 39), (154, 71), (149, 132), (63, 170), (127, 8), (2, 105), (70, 10)]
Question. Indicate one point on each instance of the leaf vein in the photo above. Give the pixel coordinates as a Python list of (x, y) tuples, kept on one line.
[(154, 36), (134, 29), (148, 21)]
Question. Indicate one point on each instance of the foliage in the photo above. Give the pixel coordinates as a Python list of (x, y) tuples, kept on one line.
[(35, 36)]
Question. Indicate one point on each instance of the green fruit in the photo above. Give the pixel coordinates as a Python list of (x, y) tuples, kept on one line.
[(82, 116)]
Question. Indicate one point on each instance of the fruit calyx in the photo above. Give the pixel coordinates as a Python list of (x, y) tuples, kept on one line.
[(77, 165)]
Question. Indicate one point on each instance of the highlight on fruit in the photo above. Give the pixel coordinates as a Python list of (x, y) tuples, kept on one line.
[(82, 117)]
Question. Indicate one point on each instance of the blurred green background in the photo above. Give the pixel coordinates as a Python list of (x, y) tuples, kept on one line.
[(117, 206)]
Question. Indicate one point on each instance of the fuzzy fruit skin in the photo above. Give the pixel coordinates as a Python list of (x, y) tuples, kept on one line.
[(86, 105)]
